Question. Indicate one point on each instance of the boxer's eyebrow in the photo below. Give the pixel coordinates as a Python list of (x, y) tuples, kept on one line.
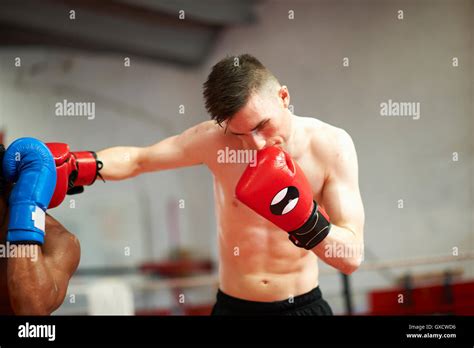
[(259, 125)]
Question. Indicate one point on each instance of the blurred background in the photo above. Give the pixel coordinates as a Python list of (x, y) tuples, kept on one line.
[(149, 244)]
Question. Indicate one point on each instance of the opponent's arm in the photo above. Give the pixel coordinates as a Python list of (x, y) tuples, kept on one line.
[(38, 285)]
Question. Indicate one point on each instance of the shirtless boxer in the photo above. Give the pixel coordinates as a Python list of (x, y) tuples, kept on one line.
[(36, 282), (261, 271)]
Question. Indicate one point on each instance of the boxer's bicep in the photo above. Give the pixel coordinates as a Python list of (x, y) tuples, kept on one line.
[(182, 150), (341, 195), (62, 256)]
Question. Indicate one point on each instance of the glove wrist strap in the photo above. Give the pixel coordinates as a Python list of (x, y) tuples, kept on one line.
[(312, 232)]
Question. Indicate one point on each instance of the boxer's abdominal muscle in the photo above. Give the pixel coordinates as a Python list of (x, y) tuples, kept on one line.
[(257, 261)]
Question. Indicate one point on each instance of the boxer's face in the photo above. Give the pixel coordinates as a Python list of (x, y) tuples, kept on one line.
[(264, 121)]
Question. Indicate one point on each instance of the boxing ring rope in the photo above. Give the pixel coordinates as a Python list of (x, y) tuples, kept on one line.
[(211, 280), (401, 263), (79, 287), (160, 284)]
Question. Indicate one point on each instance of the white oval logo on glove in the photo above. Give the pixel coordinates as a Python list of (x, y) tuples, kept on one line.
[(284, 201)]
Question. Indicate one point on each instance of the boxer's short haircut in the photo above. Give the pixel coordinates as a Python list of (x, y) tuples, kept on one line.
[(231, 83)]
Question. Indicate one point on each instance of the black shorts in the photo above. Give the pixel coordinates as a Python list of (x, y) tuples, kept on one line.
[(311, 303)]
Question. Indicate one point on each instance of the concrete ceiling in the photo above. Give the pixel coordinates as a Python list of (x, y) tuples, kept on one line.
[(142, 28)]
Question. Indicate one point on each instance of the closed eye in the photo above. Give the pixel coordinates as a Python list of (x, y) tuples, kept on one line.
[(259, 126)]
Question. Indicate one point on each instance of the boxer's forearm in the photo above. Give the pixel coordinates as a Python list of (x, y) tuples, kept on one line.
[(341, 249), (174, 152), (119, 162), (31, 286)]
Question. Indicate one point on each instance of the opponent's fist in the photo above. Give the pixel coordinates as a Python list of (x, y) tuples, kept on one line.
[(277, 189), (74, 171), (28, 163)]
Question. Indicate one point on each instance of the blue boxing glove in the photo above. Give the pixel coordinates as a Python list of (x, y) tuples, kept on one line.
[(30, 165)]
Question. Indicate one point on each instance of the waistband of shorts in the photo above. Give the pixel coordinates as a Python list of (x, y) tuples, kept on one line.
[(241, 305)]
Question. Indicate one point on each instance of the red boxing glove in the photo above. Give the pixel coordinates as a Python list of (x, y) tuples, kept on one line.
[(277, 189), (74, 171)]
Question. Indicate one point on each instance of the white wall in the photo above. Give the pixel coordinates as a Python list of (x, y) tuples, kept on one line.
[(135, 106)]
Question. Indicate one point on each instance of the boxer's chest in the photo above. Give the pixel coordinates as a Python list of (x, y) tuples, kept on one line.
[(314, 171), (227, 175)]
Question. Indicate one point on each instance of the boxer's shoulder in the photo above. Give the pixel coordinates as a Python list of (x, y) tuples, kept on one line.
[(204, 135), (216, 136), (328, 137), (206, 127), (58, 239), (328, 144), (56, 229), (207, 130), (335, 148)]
